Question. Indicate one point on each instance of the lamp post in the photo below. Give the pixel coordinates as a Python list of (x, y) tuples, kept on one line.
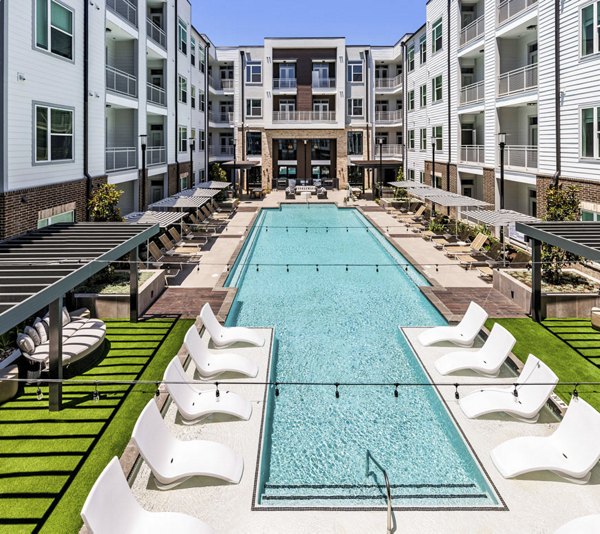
[(192, 148), (143, 139), (234, 168), (502, 145), (433, 184), (380, 141)]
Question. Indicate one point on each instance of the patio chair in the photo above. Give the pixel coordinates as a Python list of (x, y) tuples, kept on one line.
[(161, 260), (486, 361), (195, 404), (321, 192), (111, 507), (571, 452), (452, 251), (173, 461), (485, 272), (416, 216), (171, 249), (588, 524), (464, 333), (188, 238), (203, 223), (222, 336), (534, 386), (209, 365)]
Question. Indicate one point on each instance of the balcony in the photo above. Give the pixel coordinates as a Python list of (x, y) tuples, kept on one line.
[(394, 151), (471, 94), (156, 155), (223, 151), (157, 95), (518, 80), (156, 34), (285, 83), (521, 156), (472, 31), (388, 117), (225, 84), (509, 9), (388, 83), (125, 9), (121, 82), (121, 158), (304, 116), (321, 83), (472, 153), (222, 117)]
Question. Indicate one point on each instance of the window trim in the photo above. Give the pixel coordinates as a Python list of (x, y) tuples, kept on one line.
[(181, 92), (249, 107), (423, 140), (435, 100), (193, 50), (410, 100), (596, 122), (439, 22), (181, 24), (410, 58), (436, 139), (423, 95), (350, 107), (180, 139), (249, 66), (248, 144), (34, 161), (357, 133), (350, 68), (34, 45), (410, 142), (596, 40), (423, 49)]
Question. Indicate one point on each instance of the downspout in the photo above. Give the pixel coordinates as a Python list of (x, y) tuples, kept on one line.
[(86, 173), (557, 95), (404, 112), (243, 115), (176, 78), (367, 114), (449, 109), (206, 118)]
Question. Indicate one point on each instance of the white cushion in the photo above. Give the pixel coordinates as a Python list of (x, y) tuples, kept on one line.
[(25, 343), (66, 318), (40, 328), (32, 333)]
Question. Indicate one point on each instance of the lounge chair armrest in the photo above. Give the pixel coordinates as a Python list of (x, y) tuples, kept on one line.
[(80, 313)]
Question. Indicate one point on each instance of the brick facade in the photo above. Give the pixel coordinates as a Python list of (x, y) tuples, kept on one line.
[(446, 172), (589, 191), (489, 186), (173, 178)]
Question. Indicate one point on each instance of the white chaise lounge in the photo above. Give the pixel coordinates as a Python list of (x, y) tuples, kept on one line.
[(194, 404), (173, 461), (530, 400), (571, 452), (486, 361), (111, 508), (464, 333), (588, 524), (222, 336), (210, 366)]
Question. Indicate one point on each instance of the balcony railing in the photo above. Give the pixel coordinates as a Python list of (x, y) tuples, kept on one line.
[(470, 94), (124, 9), (518, 80), (472, 31), (121, 82), (511, 8), (521, 156), (219, 151), (390, 150), (121, 158), (388, 117), (285, 83), (156, 34), (304, 116), (222, 117), (157, 95), (388, 83), (323, 83), (472, 153), (156, 155), (221, 84)]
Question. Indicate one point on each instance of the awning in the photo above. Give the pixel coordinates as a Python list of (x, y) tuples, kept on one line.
[(198, 192), (453, 200), (498, 217), (181, 203), (375, 163), (409, 184), (212, 184), (162, 218), (244, 165)]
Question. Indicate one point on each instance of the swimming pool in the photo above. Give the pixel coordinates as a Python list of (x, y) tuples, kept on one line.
[(335, 292)]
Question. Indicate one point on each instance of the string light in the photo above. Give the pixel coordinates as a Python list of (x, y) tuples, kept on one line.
[(277, 389), (337, 391), (456, 393), (157, 392), (217, 392), (516, 392), (396, 390), (39, 394), (575, 392)]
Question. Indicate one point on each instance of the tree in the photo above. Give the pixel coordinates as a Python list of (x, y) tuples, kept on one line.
[(104, 204), (562, 204), (217, 173)]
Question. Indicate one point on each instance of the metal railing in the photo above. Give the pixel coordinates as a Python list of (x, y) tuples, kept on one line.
[(518, 80), (156, 34), (156, 155), (323, 83), (390, 150), (121, 158), (388, 83), (469, 94), (222, 117), (221, 150), (120, 81), (521, 156), (124, 9), (157, 95), (472, 153), (388, 491), (218, 84), (285, 83), (511, 8), (304, 116), (472, 31), (388, 116)]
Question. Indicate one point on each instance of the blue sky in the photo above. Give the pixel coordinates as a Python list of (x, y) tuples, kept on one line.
[(247, 22)]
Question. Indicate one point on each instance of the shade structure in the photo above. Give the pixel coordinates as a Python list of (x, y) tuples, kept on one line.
[(499, 217), (244, 165), (162, 218), (180, 203), (212, 184), (453, 200), (374, 163), (409, 184), (199, 192)]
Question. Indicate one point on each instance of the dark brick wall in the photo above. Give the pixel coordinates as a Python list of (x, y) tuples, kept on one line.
[(489, 186), (589, 191), (174, 179)]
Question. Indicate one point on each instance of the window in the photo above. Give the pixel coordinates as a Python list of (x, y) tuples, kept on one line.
[(201, 100), (355, 107), (436, 36), (411, 101), (436, 89), (53, 134), (193, 99), (355, 143), (182, 90), (421, 176), (590, 29), (590, 133), (437, 137), (423, 95), (253, 144), (201, 140), (355, 72), (286, 149), (411, 139), (193, 51), (67, 216), (182, 139), (411, 58), (254, 107), (182, 37), (587, 216), (423, 49), (320, 150), (54, 28), (201, 58), (423, 143), (411, 174), (254, 72)]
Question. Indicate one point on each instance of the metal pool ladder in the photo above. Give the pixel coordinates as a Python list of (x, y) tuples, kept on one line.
[(388, 490)]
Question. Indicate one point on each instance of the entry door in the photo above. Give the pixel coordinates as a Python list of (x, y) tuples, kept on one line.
[(156, 137), (156, 16), (533, 202), (381, 105), (287, 105), (287, 76), (468, 135), (381, 71), (321, 106), (532, 54), (156, 77), (320, 72), (533, 132)]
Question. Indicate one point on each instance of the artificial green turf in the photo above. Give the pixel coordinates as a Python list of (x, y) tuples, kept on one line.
[(50, 460), (544, 341)]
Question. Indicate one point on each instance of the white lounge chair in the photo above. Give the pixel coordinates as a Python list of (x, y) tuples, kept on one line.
[(222, 336), (173, 461), (111, 507), (530, 400), (588, 524), (194, 404), (464, 333), (208, 365), (571, 452), (487, 360)]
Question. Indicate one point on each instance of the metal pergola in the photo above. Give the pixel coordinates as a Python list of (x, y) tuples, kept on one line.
[(180, 203), (580, 238), (37, 269), (212, 184), (162, 218), (198, 192), (499, 217)]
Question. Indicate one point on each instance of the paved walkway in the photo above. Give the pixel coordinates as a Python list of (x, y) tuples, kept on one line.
[(186, 302)]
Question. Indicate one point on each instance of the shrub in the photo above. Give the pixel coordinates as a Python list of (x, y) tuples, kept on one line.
[(104, 204)]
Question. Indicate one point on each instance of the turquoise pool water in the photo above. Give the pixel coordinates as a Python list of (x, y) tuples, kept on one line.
[(339, 324)]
